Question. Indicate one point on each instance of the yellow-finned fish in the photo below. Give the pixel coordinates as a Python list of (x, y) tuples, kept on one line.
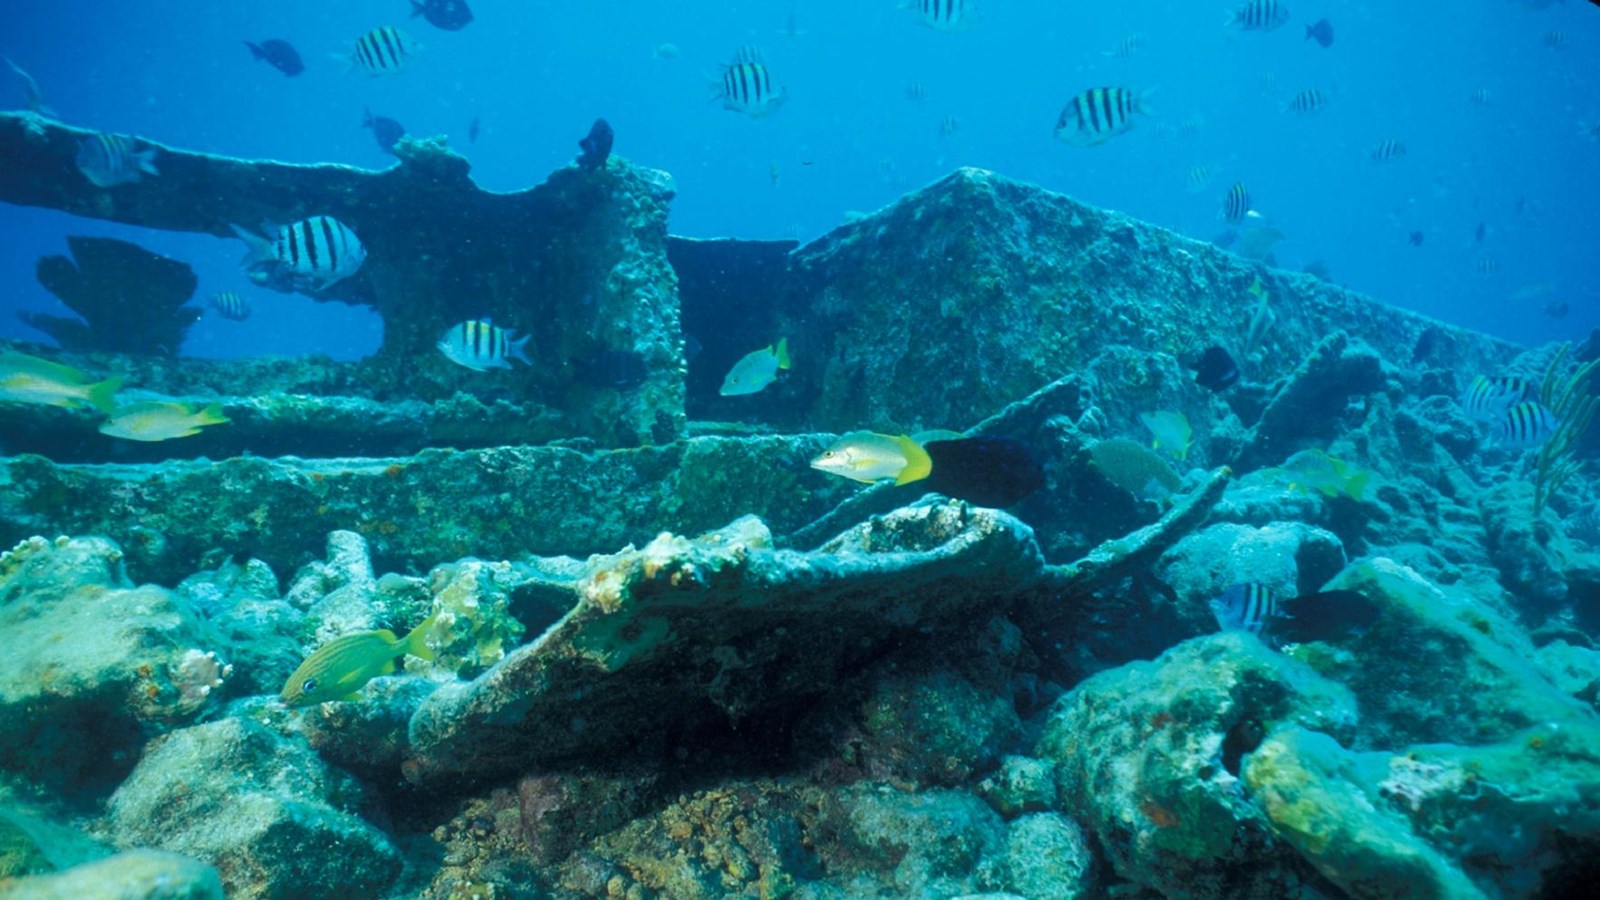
[(756, 370), (869, 457), (341, 667), (29, 379), (160, 420), (1170, 430)]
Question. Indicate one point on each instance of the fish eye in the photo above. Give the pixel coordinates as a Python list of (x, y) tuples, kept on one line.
[(307, 686)]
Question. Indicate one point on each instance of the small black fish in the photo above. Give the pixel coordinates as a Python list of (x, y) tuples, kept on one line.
[(472, 131), (1414, 239), (1320, 31), (280, 55), (1481, 231), (1556, 309), (618, 370), (1322, 616), (995, 472), (387, 131), (449, 15), (597, 146), (1216, 371)]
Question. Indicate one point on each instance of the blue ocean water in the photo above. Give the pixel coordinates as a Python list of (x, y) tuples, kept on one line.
[(849, 138)]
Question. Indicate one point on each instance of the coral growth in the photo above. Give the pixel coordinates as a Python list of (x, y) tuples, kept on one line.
[(130, 300)]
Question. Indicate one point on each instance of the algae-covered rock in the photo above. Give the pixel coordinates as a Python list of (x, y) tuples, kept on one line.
[(1310, 791), (273, 818), (1021, 785), (1439, 665), (89, 653), (935, 729), (475, 628), (133, 875), (1148, 757), (1048, 858), (417, 511), (719, 629)]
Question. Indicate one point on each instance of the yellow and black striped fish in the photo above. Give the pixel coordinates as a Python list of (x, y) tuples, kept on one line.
[(944, 15), (384, 51), (1487, 266), (231, 306), (1487, 398), (1482, 97), (1259, 15), (1236, 204), (748, 87), (1526, 424), (1307, 102), (481, 345), (1098, 115), (1387, 151)]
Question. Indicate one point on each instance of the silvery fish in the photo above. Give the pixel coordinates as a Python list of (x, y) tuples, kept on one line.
[(748, 87), (481, 345), (384, 51), (1244, 607), (231, 306), (310, 255), (1098, 115), (1259, 15), (756, 370), (108, 160), (29, 379), (160, 420), (944, 15)]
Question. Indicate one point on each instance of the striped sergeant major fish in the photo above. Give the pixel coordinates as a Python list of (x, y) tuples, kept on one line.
[(1488, 399), (1098, 115), (748, 87), (1388, 151), (481, 345), (310, 255), (1245, 607), (108, 160), (945, 15), (230, 306), (1526, 424), (1307, 102), (1259, 15), (384, 51), (1236, 204)]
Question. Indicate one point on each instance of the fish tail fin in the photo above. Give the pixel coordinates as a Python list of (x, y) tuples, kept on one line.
[(783, 353), (517, 349), (102, 396), (255, 50), (416, 9), (260, 248), (919, 464), (416, 643), (146, 160), (1357, 487), (1141, 102), (211, 415)]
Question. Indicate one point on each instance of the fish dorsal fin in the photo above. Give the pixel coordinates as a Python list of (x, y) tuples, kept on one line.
[(919, 464)]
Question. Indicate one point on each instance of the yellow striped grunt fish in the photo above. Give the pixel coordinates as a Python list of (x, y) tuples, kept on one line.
[(340, 668)]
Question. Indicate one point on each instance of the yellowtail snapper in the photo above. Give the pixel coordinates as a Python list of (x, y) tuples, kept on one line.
[(480, 345), (230, 306), (108, 160), (944, 15), (384, 51), (1259, 15), (309, 255), (996, 472), (29, 379), (160, 420), (1098, 115), (755, 370)]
